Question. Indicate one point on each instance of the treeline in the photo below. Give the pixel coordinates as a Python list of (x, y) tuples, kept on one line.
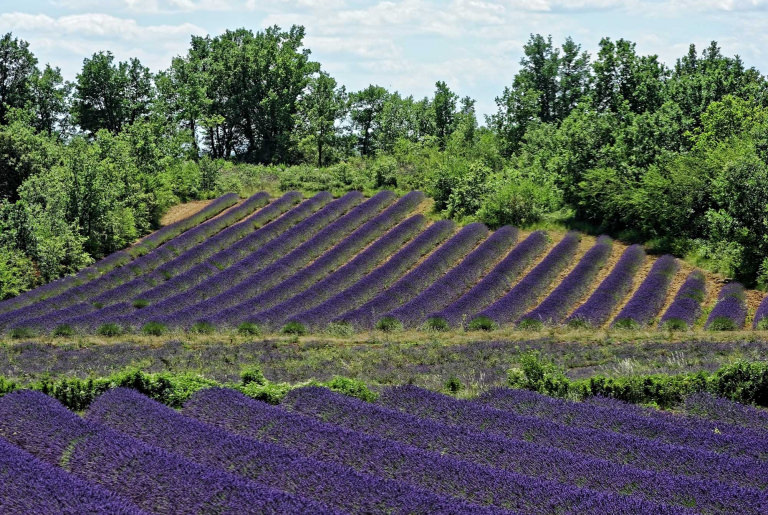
[(618, 142)]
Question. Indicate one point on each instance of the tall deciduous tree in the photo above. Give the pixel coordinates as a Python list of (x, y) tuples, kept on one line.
[(323, 104), (444, 105), (365, 111), (18, 67)]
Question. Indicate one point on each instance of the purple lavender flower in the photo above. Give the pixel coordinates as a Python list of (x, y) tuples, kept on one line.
[(730, 312), (686, 307), (761, 315), (555, 307), (649, 297)]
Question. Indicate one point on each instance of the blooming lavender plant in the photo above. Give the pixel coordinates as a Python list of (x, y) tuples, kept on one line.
[(336, 281), (458, 280), (761, 315), (730, 312), (708, 406), (28, 485), (649, 298), (384, 458), (686, 307), (238, 294), (509, 307), (334, 485), (418, 279), (496, 283), (598, 307), (554, 308), (151, 478), (259, 309), (379, 279), (518, 455)]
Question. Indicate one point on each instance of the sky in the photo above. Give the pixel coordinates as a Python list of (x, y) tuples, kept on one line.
[(406, 45)]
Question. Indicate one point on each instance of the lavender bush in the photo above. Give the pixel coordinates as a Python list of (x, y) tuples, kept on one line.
[(554, 308), (496, 283), (379, 279), (509, 307), (418, 279), (458, 280), (649, 298), (717, 409), (730, 312), (761, 315), (686, 307), (598, 307)]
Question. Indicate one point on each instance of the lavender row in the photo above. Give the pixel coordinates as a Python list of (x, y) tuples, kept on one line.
[(385, 458), (554, 308), (717, 409), (458, 280), (522, 457), (490, 416), (379, 279), (730, 312), (761, 315), (334, 485), (199, 253), (110, 262), (233, 293), (341, 278), (598, 307), (415, 281), (686, 307), (649, 298), (496, 283), (46, 314), (179, 295), (626, 423), (509, 307), (151, 478), (28, 485)]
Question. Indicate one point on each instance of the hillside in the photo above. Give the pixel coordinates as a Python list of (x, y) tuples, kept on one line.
[(298, 265)]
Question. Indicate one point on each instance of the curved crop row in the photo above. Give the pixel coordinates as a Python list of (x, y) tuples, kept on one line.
[(496, 413), (624, 421), (456, 281), (554, 308), (724, 410), (258, 308), (761, 315), (496, 283), (271, 255), (519, 456), (28, 485), (730, 312), (151, 478), (72, 302), (343, 277), (290, 265), (649, 298), (119, 258), (379, 279), (334, 485), (415, 281), (385, 458), (524, 293), (598, 307), (686, 307)]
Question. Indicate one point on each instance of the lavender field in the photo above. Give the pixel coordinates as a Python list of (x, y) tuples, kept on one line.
[(293, 265)]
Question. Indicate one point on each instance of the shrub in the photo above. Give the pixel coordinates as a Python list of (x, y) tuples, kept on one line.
[(296, 328), (437, 324), (530, 324), (340, 329), (722, 324), (675, 324), (202, 328), (249, 329), (252, 374), (763, 324), (21, 332), (63, 330), (389, 324), (482, 323), (454, 385), (140, 303), (539, 375), (109, 329), (352, 387), (153, 329)]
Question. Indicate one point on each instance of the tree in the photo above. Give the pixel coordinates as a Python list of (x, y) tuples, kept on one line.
[(573, 78), (17, 69), (365, 110), (111, 96), (444, 105), (49, 96), (323, 104)]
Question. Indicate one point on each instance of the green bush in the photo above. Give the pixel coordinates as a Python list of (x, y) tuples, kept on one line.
[(539, 375), (453, 385), (352, 387), (109, 330), (18, 333), (722, 324), (64, 330), (153, 329), (340, 329), (482, 323), (530, 324), (296, 328), (389, 324), (437, 324), (517, 201), (249, 329), (675, 324), (140, 303), (252, 374), (202, 328)]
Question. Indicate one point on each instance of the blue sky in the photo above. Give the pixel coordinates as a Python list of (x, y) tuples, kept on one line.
[(474, 45)]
